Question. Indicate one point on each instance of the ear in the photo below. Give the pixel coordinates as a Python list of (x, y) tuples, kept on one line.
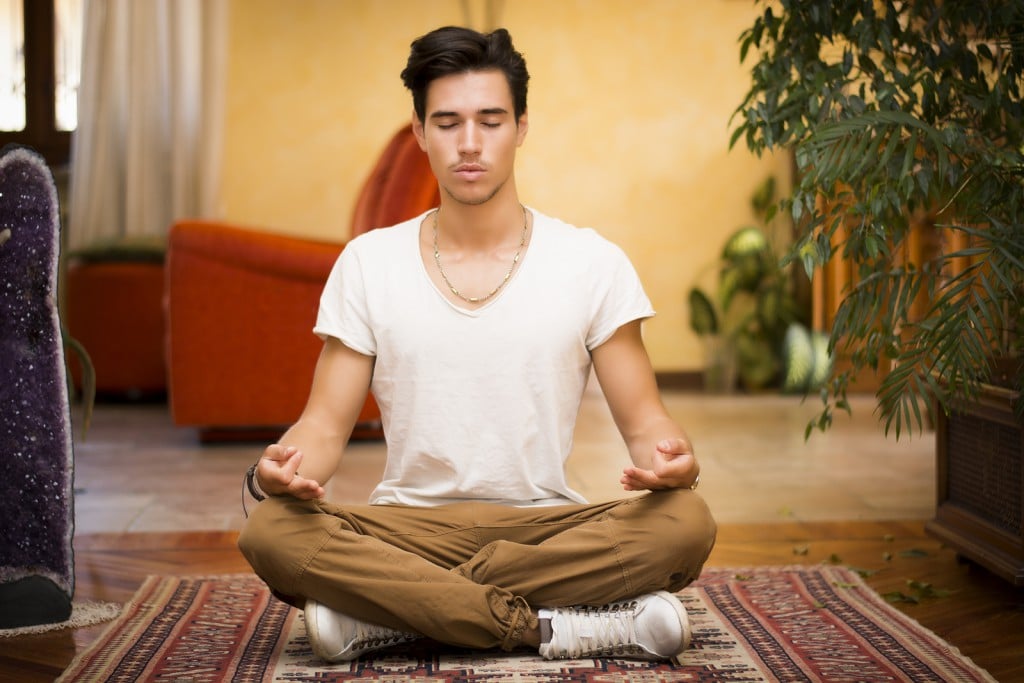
[(417, 130), (522, 126)]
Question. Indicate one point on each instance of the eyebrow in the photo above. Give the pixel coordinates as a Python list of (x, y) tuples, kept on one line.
[(490, 111)]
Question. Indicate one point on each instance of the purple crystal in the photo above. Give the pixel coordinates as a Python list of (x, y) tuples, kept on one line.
[(35, 432)]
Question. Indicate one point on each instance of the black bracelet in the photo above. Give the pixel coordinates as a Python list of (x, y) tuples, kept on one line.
[(250, 483)]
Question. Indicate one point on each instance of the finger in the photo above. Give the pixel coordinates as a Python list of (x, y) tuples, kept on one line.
[(291, 466), (278, 467), (308, 493), (633, 485), (671, 469), (277, 453), (636, 479), (677, 446), (306, 489), (273, 453), (676, 467)]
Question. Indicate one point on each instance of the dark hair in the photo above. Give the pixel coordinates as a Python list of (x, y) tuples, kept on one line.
[(453, 50)]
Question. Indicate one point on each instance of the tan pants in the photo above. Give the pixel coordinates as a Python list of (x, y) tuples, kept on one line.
[(473, 574)]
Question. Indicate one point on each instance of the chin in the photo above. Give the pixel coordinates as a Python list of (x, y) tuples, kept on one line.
[(473, 197)]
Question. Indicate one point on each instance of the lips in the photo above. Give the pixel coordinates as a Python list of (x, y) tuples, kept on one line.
[(469, 171)]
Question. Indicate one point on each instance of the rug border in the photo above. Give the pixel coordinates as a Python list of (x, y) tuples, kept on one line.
[(856, 581), (873, 598), (128, 609)]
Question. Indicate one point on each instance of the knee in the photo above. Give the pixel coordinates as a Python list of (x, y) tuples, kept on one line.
[(276, 534), (684, 530), (693, 527), (257, 535)]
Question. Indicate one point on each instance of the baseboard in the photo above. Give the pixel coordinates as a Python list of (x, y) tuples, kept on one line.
[(680, 380)]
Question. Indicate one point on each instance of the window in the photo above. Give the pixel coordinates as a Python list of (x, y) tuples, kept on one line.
[(40, 63)]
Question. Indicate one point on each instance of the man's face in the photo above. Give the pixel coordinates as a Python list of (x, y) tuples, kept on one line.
[(470, 134)]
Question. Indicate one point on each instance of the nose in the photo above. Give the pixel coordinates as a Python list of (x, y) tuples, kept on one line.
[(469, 139)]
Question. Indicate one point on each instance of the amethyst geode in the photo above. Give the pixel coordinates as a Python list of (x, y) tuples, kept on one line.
[(36, 507)]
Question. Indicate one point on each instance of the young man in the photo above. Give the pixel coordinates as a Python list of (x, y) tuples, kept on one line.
[(476, 325)]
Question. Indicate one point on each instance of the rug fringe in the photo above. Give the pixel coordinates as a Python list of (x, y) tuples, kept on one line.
[(84, 613)]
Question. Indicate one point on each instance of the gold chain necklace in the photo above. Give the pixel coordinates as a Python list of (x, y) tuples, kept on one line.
[(479, 299)]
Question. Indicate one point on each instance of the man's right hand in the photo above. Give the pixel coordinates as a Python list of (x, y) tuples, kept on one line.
[(277, 473)]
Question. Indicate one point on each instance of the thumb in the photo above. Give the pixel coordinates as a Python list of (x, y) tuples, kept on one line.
[(291, 465)]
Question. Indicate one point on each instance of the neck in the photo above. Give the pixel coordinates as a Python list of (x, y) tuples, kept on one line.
[(484, 224)]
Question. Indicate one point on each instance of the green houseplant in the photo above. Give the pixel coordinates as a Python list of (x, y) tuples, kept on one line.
[(749, 316), (906, 119)]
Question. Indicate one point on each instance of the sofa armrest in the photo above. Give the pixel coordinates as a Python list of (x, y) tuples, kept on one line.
[(253, 249), (240, 305)]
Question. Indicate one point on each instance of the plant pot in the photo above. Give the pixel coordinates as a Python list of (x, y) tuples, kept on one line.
[(979, 454), (720, 365)]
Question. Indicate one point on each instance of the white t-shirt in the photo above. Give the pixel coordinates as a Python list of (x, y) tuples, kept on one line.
[(480, 404)]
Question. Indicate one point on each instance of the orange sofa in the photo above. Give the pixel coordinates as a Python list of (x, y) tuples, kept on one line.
[(400, 186), (113, 309), (241, 304)]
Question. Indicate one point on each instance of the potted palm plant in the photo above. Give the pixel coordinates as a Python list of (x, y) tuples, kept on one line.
[(749, 317), (906, 122)]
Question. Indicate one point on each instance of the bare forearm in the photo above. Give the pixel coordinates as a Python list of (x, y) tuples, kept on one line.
[(321, 446), (309, 453), (300, 463)]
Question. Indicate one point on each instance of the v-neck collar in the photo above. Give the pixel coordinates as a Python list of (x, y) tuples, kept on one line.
[(524, 258)]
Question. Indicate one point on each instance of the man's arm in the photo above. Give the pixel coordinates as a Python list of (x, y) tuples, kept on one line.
[(659, 448), (314, 444)]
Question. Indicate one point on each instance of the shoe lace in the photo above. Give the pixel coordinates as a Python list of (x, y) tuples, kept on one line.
[(373, 636), (598, 631)]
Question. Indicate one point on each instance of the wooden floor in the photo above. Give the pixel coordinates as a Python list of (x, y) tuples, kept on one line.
[(151, 499), (983, 616)]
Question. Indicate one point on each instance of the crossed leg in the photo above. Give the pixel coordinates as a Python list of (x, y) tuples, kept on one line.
[(473, 574)]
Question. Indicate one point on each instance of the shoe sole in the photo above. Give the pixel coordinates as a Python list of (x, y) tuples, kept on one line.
[(312, 630)]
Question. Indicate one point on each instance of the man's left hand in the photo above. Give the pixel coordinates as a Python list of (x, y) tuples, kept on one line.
[(672, 466)]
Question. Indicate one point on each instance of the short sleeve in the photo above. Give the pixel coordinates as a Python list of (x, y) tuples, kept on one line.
[(620, 296), (343, 310)]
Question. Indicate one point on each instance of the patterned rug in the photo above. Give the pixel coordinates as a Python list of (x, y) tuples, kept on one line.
[(819, 623)]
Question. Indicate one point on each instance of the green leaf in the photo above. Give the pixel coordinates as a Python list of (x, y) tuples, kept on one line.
[(88, 379), (735, 136), (900, 596), (745, 44), (923, 590), (908, 158), (703, 319), (864, 573)]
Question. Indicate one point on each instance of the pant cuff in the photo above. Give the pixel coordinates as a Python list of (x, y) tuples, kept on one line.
[(520, 618)]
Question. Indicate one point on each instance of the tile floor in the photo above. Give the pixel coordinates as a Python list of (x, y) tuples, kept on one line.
[(135, 471)]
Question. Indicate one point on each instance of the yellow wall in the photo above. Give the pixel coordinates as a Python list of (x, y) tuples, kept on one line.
[(629, 107)]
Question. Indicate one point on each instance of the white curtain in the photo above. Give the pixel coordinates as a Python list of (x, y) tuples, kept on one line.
[(147, 148)]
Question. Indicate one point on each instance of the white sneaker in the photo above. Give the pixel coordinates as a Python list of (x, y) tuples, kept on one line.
[(652, 626), (336, 637)]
